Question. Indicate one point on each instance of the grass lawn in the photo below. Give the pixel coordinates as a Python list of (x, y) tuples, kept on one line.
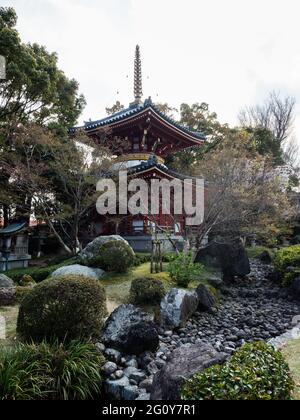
[(292, 354)]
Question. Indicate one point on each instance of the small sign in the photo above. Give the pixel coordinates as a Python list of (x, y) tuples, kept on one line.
[(2, 68)]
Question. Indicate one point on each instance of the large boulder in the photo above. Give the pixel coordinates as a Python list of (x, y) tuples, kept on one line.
[(183, 363), (92, 249), (232, 258), (207, 300), (7, 296), (6, 281), (130, 330), (294, 289), (177, 307), (79, 270)]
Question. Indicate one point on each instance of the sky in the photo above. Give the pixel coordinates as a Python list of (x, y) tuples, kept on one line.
[(226, 53)]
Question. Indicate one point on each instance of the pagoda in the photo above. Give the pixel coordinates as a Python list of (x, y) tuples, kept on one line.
[(146, 136)]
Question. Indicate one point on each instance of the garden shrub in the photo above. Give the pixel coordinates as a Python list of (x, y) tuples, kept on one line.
[(169, 256), (147, 291), (21, 292), (183, 269), (114, 256), (285, 258), (38, 274), (141, 258), (255, 372), (26, 280), (64, 308), (50, 372)]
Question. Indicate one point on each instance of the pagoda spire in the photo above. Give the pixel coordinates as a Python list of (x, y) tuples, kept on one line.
[(138, 84)]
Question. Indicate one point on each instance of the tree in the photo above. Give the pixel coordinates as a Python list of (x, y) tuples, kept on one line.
[(59, 176), (166, 109), (266, 144), (243, 198), (276, 114), (35, 91), (117, 107), (197, 117)]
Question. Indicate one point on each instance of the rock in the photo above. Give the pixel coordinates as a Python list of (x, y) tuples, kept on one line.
[(131, 363), (113, 355), (79, 270), (183, 363), (115, 388), (232, 258), (100, 347), (135, 374), (296, 321), (130, 393), (130, 330), (177, 307), (146, 384), (206, 299), (143, 397), (109, 368), (7, 296), (265, 257), (6, 282), (215, 282), (119, 374), (92, 249), (294, 289)]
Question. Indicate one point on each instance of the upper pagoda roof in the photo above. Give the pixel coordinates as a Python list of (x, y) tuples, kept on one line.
[(134, 110)]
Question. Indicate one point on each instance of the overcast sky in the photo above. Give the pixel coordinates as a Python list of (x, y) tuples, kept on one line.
[(227, 53)]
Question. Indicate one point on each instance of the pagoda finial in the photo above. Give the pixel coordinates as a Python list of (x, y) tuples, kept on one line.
[(138, 86)]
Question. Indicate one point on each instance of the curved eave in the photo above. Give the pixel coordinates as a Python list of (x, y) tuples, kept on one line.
[(139, 113)]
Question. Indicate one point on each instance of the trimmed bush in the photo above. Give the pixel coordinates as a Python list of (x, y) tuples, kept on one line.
[(114, 256), (141, 258), (50, 372), (147, 291), (286, 258), (64, 308), (21, 292), (38, 274), (255, 372), (183, 269)]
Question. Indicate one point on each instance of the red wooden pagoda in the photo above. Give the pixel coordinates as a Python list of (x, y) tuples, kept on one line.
[(146, 136)]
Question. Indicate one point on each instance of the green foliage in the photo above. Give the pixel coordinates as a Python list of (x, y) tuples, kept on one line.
[(64, 308), (38, 274), (256, 251), (265, 143), (21, 292), (115, 256), (50, 372), (147, 291), (169, 256), (183, 269), (26, 280), (287, 257), (141, 258), (255, 372), (34, 89)]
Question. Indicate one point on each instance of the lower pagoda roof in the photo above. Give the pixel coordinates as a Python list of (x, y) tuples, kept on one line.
[(135, 110)]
